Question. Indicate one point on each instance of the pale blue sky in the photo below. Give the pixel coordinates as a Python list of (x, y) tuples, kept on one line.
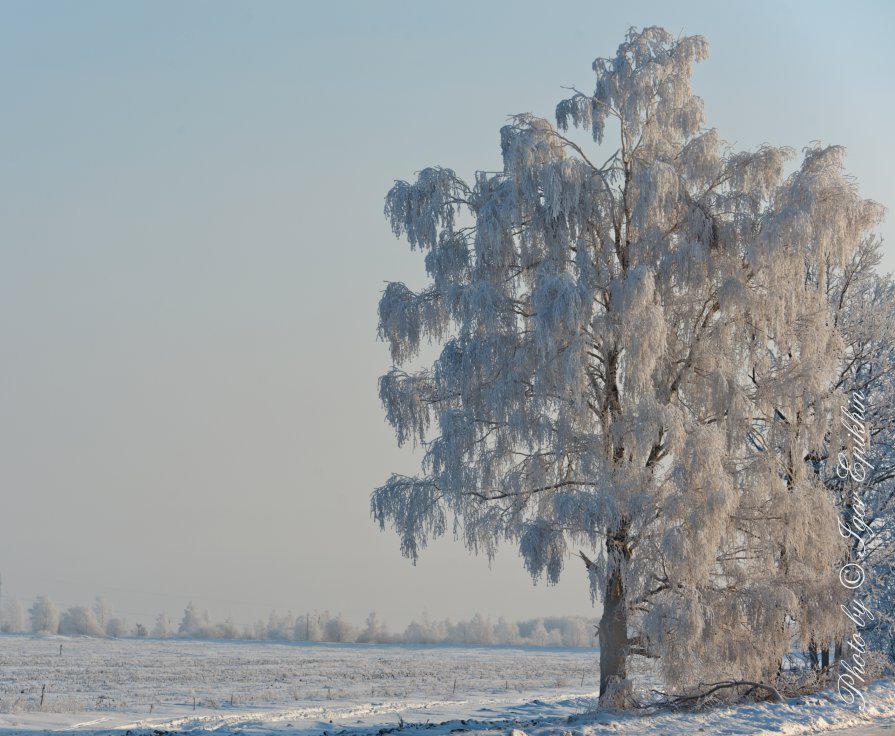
[(192, 249)]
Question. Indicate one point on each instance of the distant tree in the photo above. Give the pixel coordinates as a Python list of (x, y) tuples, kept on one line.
[(228, 629), (162, 628), (636, 359), (194, 624), (14, 620), (79, 621), (506, 632), (311, 628), (140, 630), (44, 616), (414, 634), (577, 632), (280, 627), (103, 611), (339, 629), (539, 635), (116, 627), (258, 630), (375, 630), (427, 630), (478, 630)]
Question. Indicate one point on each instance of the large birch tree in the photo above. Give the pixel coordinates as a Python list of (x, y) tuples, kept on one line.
[(636, 361)]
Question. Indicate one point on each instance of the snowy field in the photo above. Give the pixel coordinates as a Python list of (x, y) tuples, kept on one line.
[(109, 683), (102, 685)]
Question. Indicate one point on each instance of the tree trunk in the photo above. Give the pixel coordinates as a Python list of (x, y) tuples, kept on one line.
[(613, 631), (825, 658), (614, 622), (812, 655)]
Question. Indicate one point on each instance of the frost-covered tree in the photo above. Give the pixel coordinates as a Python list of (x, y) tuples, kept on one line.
[(280, 626), (14, 620), (375, 630), (190, 622), (44, 616), (636, 358), (339, 629), (80, 621), (478, 630), (256, 631), (103, 610), (863, 306), (539, 635), (116, 627), (197, 625), (310, 627), (162, 628), (227, 630), (506, 632), (427, 631)]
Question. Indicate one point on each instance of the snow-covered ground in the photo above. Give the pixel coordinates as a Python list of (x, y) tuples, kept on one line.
[(101, 685)]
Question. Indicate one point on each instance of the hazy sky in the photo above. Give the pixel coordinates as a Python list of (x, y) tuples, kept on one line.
[(192, 249)]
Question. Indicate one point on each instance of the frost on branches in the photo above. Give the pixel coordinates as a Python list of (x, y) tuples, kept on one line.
[(638, 361), (863, 306)]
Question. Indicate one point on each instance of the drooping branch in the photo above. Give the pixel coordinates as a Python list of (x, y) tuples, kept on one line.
[(773, 694)]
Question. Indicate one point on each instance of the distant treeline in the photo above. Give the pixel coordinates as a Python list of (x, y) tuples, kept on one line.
[(44, 617)]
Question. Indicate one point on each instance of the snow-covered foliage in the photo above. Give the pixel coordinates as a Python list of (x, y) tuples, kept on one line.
[(44, 616), (863, 304), (14, 617), (80, 621), (636, 359), (162, 627), (320, 626)]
